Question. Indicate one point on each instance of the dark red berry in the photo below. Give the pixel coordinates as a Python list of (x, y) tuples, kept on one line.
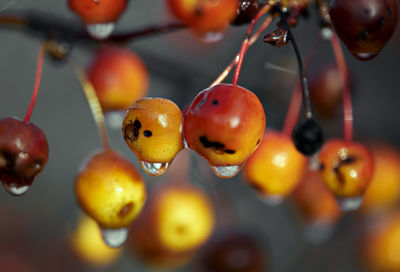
[(246, 12), (23, 154), (307, 137), (365, 26)]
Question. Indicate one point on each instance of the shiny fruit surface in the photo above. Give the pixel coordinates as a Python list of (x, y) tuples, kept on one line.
[(276, 167), (87, 243), (24, 152), (110, 190), (98, 11), (204, 16), (152, 128), (225, 124), (365, 26), (384, 190), (246, 12), (119, 77), (346, 167)]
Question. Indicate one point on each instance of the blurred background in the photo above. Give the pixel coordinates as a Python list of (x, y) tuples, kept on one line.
[(35, 228)]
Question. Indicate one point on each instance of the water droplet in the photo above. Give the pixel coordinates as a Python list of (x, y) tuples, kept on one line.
[(185, 144), (212, 37), (365, 56), (318, 233), (100, 31), (326, 33), (348, 204), (114, 237), (226, 171), (114, 119), (272, 200), (155, 168), (16, 191)]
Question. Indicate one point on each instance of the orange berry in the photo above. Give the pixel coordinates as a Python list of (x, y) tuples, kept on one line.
[(119, 78), (110, 190), (276, 167), (98, 11)]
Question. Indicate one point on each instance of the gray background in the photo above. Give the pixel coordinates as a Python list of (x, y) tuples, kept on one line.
[(35, 225)]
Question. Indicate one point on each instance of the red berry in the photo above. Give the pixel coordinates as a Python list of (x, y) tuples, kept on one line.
[(23, 154), (98, 11), (225, 125)]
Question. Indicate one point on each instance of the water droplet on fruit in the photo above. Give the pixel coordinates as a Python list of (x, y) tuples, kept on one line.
[(226, 171), (114, 119), (155, 168), (349, 204), (114, 237), (100, 31), (272, 200), (318, 233), (365, 56), (16, 191), (212, 37), (326, 33)]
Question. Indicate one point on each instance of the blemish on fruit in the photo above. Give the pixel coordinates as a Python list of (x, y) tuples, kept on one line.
[(230, 151), (126, 210), (132, 131), (215, 102), (147, 133)]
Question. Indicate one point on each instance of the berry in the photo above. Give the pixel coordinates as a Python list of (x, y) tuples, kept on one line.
[(383, 192), (110, 190), (326, 87), (98, 11), (23, 154), (204, 16), (346, 168), (152, 128), (235, 251), (225, 125), (176, 221), (307, 137), (119, 77), (365, 26), (276, 167), (246, 11), (88, 245)]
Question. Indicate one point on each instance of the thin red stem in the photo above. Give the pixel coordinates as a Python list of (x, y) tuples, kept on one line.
[(347, 103), (245, 44), (39, 69)]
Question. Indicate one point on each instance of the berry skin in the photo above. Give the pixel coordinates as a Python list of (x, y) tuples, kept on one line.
[(204, 16), (246, 12), (110, 190), (177, 220), (225, 124), (152, 128), (315, 203), (383, 192), (119, 77), (23, 154), (346, 168), (307, 137), (87, 243), (276, 167), (98, 11), (365, 26)]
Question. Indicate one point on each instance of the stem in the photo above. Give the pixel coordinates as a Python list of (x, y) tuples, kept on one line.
[(235, 61), (347, 104), (39, 69), (93, 102), (245, 44), (303, 79)]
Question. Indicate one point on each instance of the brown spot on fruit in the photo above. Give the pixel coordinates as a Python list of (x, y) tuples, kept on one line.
[(126, 210)]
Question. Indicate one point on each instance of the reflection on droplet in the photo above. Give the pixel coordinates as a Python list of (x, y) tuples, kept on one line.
[(272, 200), (114, 119), (212, 37), (318, 233), (16, 191), (349, 204), (156, 168), (226, 171), (326, 33), (114, 237), (100, 31), (365, 56), (185, 144)]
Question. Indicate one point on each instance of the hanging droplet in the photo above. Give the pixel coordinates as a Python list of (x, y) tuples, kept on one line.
[(326, 33), (156, 168), (100, 31), (114, 237), (278, 37), (348, 204), (226, 171), (365, 56), (212, 37), (272, 200), (318, 233), (114, 119), (14, 190)]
